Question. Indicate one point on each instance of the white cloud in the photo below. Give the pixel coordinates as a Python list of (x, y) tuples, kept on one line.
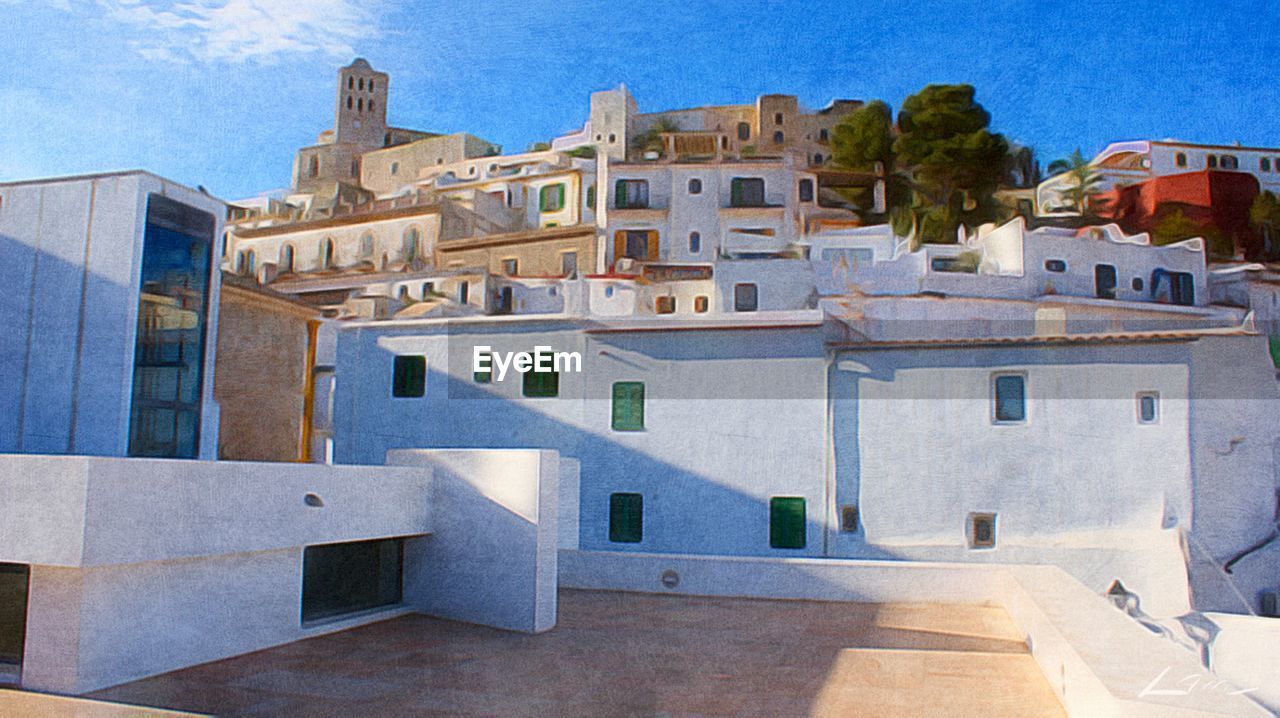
[(229, 31)]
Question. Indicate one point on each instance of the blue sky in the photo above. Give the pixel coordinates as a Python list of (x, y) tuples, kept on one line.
[(222, 92)]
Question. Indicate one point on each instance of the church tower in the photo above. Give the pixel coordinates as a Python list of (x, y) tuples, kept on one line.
[(361, 115)]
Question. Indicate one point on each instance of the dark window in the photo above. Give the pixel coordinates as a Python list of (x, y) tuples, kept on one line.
[(351, 83), (628, 406), (695, 243), (1148, 407), (1055, 265), (484, 377), (569, 264), (1010, 398), (370, 85), (14, 580), (695, 186), (541, 384), (823, 135), (169, 348), (360, 104), (778, 137), (511, 267), (631, 194), (326, 254), (286, 257), (464, 289), (409, 250), (395, 168), (1173, 287), (1264, 164), (744, 131), (612, 138), (806, 190), (626, 518), (371, 104), (360, 84), (349, 102), (700, 304), (1229, 162), (355, 168), (746, 297), (344, 578), (1137, 284), (313, 166), (506, 301), (1211, 161), (982, 530), (1104, 281), (409, 376), (746, 192), (591, 197), (551, 198), (786, 522), (1180, 159), (636, 244), (777, 118), (665, 305)]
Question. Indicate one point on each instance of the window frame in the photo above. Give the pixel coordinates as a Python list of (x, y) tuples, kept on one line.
[(782, 532), (755, 291), (694, 186), (551, 198), (409, 375), (634, 419), (1141, 396), (996, 419), (738, 193), (531, 390), (621, 197), (628, 507), (971, 530)]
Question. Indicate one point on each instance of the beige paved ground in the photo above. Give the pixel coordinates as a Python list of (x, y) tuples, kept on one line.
[(632, 654), (37, 705)]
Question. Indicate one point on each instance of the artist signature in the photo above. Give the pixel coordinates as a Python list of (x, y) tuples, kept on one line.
[(1190, 684)]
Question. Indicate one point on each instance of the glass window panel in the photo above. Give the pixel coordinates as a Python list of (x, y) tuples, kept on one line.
[(786, 522)]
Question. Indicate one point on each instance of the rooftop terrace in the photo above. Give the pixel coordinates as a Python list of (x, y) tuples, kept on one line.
[(634, 654)]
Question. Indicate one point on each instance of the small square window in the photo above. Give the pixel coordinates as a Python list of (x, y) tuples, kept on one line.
[(700, 304), (746, 192), (981, 530), (786, 522), (569, 264), (409, 376), (551, 198), (1009, 398), (1055, 265), (746, 298), (511, 267), (1148, 407), (695, 186), (628, 406), (541, 384), (665, 305), (849, 518), (626, 518), (806, 190), (631, 194)]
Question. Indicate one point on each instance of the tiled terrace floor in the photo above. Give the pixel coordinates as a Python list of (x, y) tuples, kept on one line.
[(616, 654)]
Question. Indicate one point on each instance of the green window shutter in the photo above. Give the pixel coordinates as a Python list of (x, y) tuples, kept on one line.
[(626, 518), (409, 376), (620, 194), (543, 198), (559, 197), (591, 197), (541, 384), (735, 192), (1275, 350), (484, 377), (628, 406), (786, 522)]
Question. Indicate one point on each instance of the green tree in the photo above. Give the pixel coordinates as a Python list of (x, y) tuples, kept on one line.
[(956, 163), (1176, 226), (1082, 179), (1264, 216), (863, 141), (651, 139)]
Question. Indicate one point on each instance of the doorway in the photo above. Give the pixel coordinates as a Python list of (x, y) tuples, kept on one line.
[(1104, 281)]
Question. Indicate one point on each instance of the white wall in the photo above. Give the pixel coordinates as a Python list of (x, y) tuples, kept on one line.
[(492, 558), (74, 247)]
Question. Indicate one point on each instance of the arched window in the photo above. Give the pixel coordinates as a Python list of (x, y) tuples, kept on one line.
[(326, 253), (778, 138), (349, 102), (371, 104), (370, 85), (1211, 161), (411, 239), (313, 166), (366, 246), (351, 82), (360, 104), (744, 131), (361, 83), (695, 186), (695, 243), (286, 257)]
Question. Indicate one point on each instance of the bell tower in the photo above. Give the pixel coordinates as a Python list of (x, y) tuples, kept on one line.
[(361, 114)]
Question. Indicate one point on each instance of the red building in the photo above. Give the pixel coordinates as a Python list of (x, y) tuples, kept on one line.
[(1214, 199)]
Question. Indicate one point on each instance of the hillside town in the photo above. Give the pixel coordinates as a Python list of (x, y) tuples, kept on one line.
[(814, 347)]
